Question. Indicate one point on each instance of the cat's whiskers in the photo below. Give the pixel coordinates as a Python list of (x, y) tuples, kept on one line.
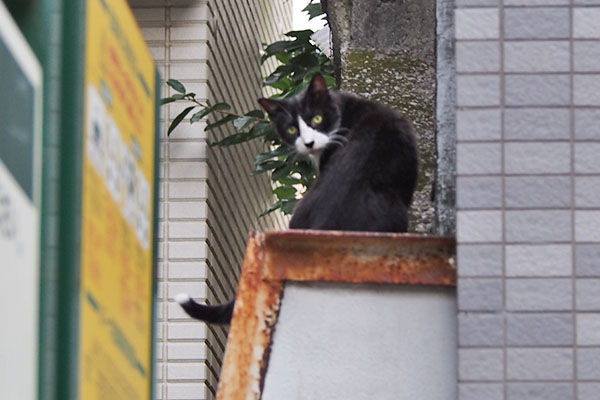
[(335, 138)]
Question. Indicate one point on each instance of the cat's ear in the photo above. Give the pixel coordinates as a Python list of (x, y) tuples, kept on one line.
[(318, 86), (272, 107)]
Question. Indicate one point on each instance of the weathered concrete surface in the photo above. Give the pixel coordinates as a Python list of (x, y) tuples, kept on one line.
[(445, 199), (384, 50)]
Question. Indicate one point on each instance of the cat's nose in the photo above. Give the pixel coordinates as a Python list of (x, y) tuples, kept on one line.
[(310, 144)]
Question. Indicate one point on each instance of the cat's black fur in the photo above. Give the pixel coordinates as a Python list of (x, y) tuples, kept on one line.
[(368, 167)]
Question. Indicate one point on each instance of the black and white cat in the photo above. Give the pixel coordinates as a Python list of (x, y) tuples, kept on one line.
[(368, 166)]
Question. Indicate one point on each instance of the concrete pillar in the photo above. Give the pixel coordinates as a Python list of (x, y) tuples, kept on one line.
[(384, 50)]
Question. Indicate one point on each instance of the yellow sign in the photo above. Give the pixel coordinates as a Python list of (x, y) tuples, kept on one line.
[(117, 218)]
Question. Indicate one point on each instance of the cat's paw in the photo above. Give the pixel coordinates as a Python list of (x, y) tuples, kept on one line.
[(182, 298)]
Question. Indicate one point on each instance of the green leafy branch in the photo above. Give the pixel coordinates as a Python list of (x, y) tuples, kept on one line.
[(299, 60)]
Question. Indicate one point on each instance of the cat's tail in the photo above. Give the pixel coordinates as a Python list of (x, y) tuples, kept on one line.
[(217, 314)]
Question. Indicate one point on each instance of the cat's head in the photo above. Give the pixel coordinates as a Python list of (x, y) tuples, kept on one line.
[(309, 121)]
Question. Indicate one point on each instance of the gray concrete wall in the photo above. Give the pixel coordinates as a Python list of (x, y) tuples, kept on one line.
[(385, 51), (528, 199)]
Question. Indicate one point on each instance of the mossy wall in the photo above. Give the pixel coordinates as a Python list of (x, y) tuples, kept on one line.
[(385, 51)]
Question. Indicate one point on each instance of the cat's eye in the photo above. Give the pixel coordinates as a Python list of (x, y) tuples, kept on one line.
[(317, 119), (292, 130)]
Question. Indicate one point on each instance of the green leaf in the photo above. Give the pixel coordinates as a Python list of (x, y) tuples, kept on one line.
[(179, 118), (283, 58), (278, 47), (288, 206), (220, 107), (273, 78), (205, 111), (271, 208), (301, 36), (175, 84), (256, 114), (199, 115), (278, 152), (267, 166), (289, 180), (281, 172), (232, 139), (241, 123), (306, 60), (166, 100), (285, 192), (313, 10), (220, 122), (261, 129)]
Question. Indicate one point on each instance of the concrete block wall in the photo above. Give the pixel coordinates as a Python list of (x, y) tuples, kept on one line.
[(528, 199), (208, 201)]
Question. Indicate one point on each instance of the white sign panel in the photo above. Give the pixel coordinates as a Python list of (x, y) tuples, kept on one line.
[(19, 286), (20, 194)]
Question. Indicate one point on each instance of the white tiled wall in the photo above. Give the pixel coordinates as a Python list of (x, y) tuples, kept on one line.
[(208, 201)]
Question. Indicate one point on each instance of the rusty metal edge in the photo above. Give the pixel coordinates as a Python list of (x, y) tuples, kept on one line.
[(360, 257), (249, 341), (305, 257)]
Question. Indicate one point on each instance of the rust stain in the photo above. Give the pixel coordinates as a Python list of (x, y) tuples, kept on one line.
[(351, 257), (360, 257), (255, 314)]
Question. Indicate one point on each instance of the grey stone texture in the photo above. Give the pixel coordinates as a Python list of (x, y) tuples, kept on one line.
[(542, 260), (537, 56), (588, 363), (537, 158), (481, 125), (586, 157), (479, 158), (446, 131), (481, 364), (586, 123), (535, 2), (588, 390), (540, 329), (538, 294), (540, 391), (587, 191), (480, 294), (481, 391), (477, 57), (477, 23), (587, 295), (538, 226), (586, 90), (587, 226), (536, 23), (538, 191), (480, 329), (588, 329), (539, 364), (586, 56), (480, 260), (528, 243), (476, 3), (478, 90), (478, 192), (587, 260), (479, 226), (536, 124), (585, 23), (536, 90)]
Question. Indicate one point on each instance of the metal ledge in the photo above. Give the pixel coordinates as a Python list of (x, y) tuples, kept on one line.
[(274, 257)]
